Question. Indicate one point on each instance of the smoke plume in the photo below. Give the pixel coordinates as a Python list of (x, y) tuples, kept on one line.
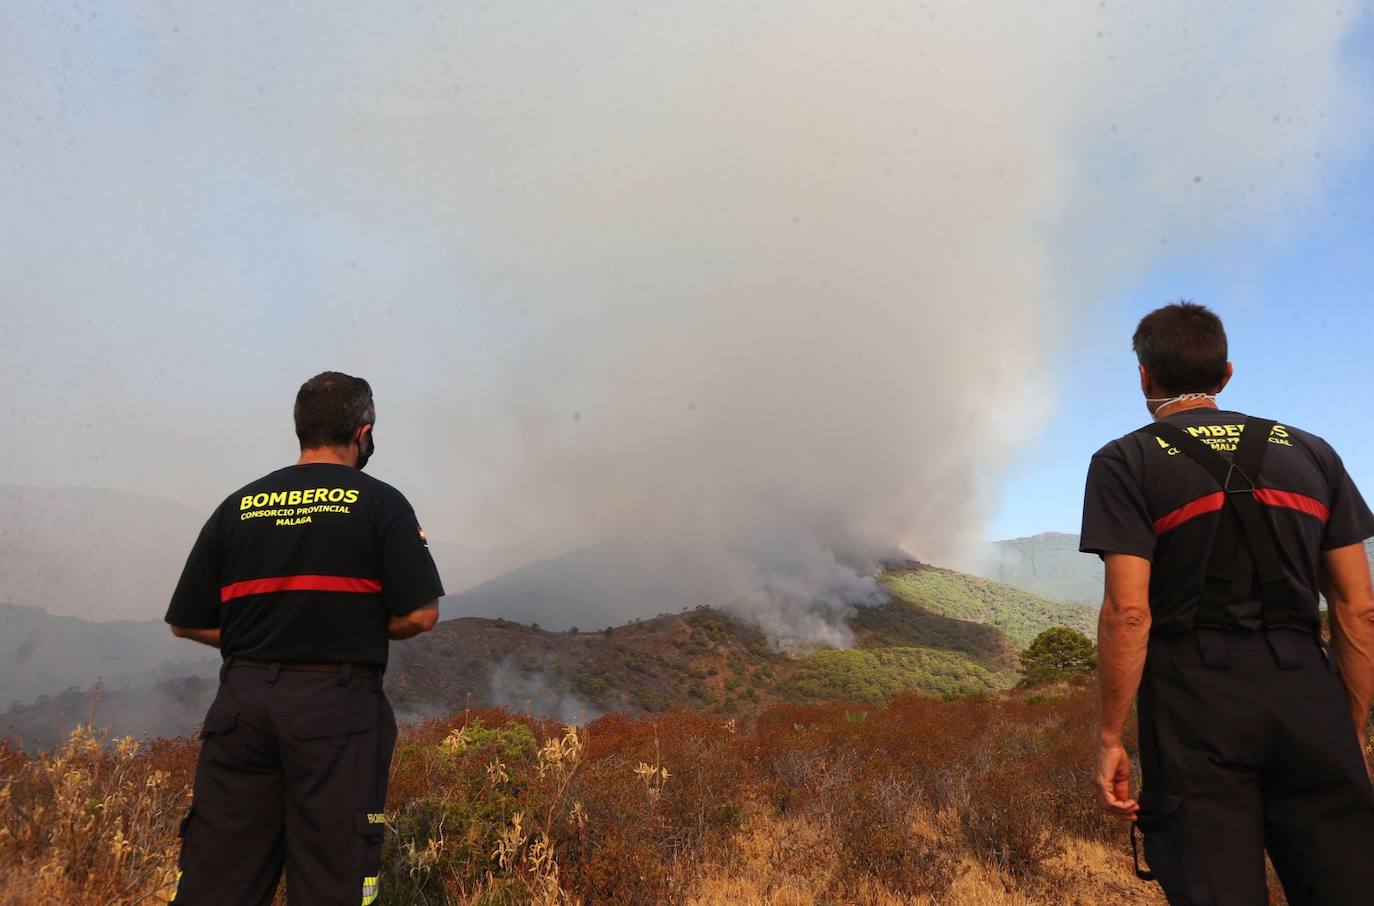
[(777, 282)]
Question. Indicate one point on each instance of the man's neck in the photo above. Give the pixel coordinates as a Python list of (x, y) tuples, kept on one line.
[(337, 455), (1184, 406)]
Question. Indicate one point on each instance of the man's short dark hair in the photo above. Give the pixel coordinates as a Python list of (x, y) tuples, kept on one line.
[(330, 407), (1183, 347)]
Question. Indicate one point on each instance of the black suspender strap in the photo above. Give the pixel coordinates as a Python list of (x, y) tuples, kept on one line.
[(1275, 598), (1223, 570), (1242, 517)]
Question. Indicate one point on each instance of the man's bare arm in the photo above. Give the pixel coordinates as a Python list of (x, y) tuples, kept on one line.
[(204, 636), (1123, 636), (1350, 597), (421, 619)]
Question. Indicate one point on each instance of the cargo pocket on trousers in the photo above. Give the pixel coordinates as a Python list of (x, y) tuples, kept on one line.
[(1157, 811), (1157, 814), (218, 721), (372, 828), (336, 726)]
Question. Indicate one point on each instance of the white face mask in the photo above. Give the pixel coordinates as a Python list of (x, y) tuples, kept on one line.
[(1169, 401)]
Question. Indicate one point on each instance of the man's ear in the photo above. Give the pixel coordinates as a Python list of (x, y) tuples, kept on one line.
[(360, 435), (1230, 370), (1145, 382)]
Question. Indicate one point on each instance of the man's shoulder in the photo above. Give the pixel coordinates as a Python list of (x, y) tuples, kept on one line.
[(1120, 448), (1313, 442), (388, 494)]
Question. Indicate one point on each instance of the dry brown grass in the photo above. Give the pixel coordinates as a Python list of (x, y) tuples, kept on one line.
[(780, 861), (92, 822), (914, 802)]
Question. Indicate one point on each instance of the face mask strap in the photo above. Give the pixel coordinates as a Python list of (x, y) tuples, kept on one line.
[(365, 453)]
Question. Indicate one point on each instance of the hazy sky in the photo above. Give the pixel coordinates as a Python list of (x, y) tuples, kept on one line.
[(847, 275)]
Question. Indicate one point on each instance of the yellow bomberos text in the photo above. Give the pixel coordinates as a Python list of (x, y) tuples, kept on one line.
[(299, 498), (297, 507)]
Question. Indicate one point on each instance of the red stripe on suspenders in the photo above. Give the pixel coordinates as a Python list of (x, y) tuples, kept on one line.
[(1287, 500), (298, 583)]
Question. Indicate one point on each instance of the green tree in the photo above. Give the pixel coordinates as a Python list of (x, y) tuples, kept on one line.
[(1058, 653)]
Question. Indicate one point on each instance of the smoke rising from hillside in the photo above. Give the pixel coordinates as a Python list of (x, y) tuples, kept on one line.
[(534, 694), (782, 278)]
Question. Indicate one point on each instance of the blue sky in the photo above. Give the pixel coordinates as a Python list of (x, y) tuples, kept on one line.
[(1298, 301)]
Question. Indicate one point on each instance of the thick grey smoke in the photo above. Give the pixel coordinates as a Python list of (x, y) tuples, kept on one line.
[(780, 278)]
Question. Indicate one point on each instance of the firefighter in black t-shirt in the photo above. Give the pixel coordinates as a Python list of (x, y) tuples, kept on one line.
[(300, 578), (1219, 532)]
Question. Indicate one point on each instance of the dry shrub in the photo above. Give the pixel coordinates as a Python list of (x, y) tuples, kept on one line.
[(658, 792), (1003, 824), (94, 821), (883, 837)]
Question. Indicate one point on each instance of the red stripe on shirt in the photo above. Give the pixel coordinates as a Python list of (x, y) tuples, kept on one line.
[(1288, 500), (298, 583), (1200, 507)]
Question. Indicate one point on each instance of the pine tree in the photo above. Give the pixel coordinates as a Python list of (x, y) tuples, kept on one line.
[(1058, 653)]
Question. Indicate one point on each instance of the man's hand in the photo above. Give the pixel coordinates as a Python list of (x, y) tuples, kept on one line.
[(1114, 780)]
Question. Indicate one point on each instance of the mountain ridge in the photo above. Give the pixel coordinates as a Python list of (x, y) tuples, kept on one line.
[(702, 659)]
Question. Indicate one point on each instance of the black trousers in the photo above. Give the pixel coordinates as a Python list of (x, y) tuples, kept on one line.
[(292, 771), (1240, 755)]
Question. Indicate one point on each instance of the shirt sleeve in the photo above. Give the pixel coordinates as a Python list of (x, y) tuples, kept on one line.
[(1349, 520), (1115, 517), (409, 577), (195, 602)]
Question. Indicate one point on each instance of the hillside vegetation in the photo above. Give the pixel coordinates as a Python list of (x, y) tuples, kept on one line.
[(1019, 615), (871, 676), (704, 659)]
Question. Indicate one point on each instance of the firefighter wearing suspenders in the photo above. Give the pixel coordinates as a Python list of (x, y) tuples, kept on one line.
[(1219, 532), (300, 578)]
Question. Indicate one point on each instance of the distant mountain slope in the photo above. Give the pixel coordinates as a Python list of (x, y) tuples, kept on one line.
[(1017, 614), (43, 654), (462, 568), (601, 585), (1048, 565), (702, 659)]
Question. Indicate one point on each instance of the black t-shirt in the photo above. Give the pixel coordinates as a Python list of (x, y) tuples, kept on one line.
[(1145, 497), (306, 564)]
